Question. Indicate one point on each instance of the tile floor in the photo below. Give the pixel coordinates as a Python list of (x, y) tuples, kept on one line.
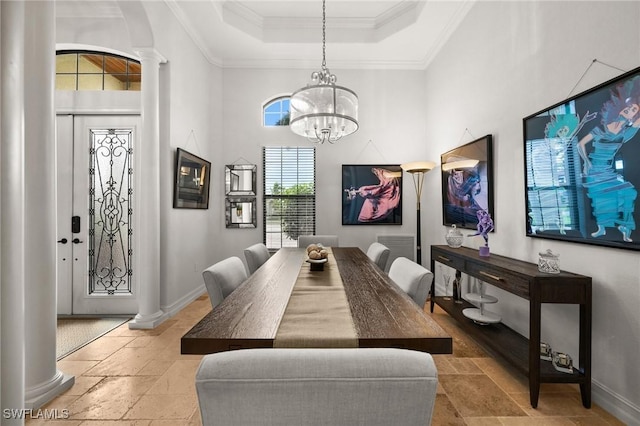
[(139, 378)]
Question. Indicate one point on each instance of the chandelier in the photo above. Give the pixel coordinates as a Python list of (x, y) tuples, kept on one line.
[(322, 111)]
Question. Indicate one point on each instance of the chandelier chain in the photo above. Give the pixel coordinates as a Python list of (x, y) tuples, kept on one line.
[(324, 37)]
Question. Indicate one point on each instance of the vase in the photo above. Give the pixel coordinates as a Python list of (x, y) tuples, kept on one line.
[(484, 251)]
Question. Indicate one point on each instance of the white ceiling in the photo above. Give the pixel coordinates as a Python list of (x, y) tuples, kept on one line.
[(391, 34)]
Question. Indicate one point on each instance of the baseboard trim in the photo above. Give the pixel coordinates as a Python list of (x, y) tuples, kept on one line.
[(618, 406), (181, 303)]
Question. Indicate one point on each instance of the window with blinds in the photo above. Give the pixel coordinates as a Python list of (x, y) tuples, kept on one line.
[(552, 191), (289, 195)]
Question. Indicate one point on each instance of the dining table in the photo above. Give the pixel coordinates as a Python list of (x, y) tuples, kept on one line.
[(291, 301)]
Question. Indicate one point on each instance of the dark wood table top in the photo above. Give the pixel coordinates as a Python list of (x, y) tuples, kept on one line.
[(383, 314)]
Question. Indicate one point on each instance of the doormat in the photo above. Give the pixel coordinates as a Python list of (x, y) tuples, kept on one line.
[(74, 333)]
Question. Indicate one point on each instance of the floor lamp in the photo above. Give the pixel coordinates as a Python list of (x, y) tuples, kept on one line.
[(418, 170)]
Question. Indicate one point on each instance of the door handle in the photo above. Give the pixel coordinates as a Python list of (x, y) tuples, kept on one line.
[(63, 241), (76, 241)]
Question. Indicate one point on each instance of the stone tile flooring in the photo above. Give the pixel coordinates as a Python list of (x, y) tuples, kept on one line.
[(139, 378)]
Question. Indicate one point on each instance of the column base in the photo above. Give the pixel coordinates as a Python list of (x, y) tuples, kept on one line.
[(37, 397), (145, 322)]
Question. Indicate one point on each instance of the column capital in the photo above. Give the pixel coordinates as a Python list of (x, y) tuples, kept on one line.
[(149, 54)]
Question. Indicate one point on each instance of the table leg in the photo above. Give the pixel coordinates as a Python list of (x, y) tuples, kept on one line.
[(534, 349), (585, 350), (433, 286)]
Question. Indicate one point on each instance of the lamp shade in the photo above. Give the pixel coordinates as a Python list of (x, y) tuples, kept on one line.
[(324, 112), (418, 166)]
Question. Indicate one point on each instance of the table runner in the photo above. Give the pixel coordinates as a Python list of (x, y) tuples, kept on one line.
[(317, 314)]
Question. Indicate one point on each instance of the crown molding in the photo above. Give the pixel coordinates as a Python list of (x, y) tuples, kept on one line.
[(193, 35)]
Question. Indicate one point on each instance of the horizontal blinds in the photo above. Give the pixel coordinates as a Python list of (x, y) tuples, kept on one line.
[(289, 195)]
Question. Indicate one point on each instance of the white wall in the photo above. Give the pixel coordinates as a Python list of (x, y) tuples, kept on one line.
[(190, 117), (392, 126), (506, 61)]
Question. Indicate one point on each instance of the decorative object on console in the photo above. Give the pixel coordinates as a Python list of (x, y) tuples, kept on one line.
[(446, 277), (191, 185), (562, 362), (480, 315), (457, 288), (545, 351), (485, 225), (322, 111), (467, 183), (582, 176), (548, 262), (454, 237), (371, 194), (418, 169)]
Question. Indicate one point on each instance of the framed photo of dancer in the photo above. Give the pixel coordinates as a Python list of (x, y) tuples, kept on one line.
[(371, 194), (467, 183), (581, 166)]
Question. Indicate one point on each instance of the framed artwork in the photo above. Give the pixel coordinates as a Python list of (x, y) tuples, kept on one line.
[(240, 179), (191, 185), (581, 166), (371, 194), (467, 183), (240, 212)]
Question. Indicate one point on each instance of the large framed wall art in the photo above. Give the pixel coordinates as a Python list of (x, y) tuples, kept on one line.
[(371, 194), (191, 185), (467, 183), (582, 169)]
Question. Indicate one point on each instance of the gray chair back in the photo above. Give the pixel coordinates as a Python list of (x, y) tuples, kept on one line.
[(255, 256), (325, 240), (414, 279), (379, 253), (355, 386), (222, 278)]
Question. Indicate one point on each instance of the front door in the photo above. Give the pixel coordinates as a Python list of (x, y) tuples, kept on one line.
[(95, 211)]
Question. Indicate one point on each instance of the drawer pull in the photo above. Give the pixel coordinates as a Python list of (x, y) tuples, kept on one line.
[(446, 259), (495, 277)]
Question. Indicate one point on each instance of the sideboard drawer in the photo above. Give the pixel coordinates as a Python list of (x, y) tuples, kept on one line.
[(452, 261), (503, 279)]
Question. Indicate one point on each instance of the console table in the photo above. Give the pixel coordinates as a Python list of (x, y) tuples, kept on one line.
[(524, 280)]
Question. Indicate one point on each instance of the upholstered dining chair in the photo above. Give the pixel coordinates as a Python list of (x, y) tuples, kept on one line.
[(325, 240), (222, 278), (354, 386), (414, 279), (255, 256), (379, 253)]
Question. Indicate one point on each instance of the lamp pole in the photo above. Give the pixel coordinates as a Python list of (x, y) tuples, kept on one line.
[(417, 169)]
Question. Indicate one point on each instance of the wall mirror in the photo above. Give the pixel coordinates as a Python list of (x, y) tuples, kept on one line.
[(240, 212), (240, 179)]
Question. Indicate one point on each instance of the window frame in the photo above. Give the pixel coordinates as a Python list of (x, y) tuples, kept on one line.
[(283, 113), (305, 200), (77, 73)]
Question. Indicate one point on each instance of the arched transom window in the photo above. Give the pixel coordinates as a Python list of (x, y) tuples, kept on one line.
[(87, 70), (276, 112)]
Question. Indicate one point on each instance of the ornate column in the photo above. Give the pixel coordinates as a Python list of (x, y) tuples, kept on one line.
[(43, 381), (12, 208), (148, 235)]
